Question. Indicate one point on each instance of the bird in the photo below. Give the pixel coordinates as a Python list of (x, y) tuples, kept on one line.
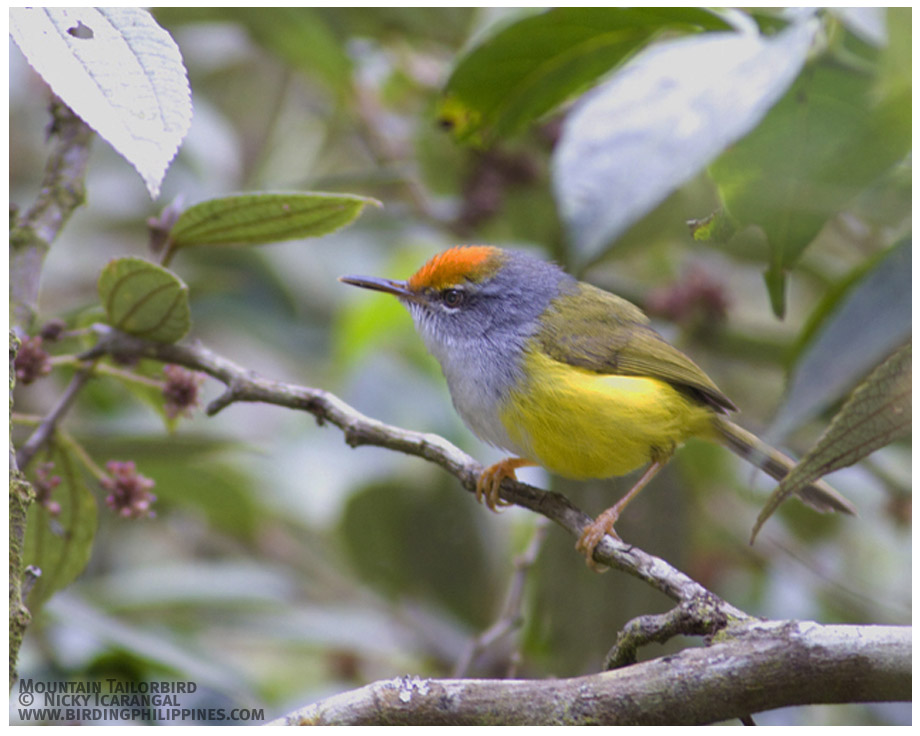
[(561, 374)]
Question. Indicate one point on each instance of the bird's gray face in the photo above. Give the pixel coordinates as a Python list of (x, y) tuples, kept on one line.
[(478, 327), (466, 315), (477, 319), (449, 317)]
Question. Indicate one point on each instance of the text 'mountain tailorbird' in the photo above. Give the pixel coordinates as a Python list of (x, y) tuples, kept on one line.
[(567, 376)]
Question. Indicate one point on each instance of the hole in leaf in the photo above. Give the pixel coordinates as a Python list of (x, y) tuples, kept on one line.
[(81, 31)]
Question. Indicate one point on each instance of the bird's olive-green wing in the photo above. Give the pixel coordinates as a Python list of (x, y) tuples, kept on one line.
[(607, 334)]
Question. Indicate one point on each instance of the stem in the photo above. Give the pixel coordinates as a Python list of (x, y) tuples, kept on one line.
[(82, 455), (104, 369), (44, 431), (29, 420)]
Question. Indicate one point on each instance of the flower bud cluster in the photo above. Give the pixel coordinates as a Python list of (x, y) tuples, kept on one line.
[(129, 491)]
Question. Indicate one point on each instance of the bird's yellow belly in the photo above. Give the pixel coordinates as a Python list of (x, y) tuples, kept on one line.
[(581, 424)]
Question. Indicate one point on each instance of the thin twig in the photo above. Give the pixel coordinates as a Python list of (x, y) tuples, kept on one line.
[(30, 576), (43, 432), (691, 618), (78, 451), (109, 370), (510, 618)]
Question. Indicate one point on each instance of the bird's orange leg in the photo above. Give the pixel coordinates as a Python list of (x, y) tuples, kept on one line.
[(491, 479), (603, 524)]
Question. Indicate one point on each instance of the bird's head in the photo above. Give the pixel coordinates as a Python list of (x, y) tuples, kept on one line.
[(473, 296)]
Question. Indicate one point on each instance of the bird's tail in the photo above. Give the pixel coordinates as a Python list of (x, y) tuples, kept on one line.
[(819, 495)]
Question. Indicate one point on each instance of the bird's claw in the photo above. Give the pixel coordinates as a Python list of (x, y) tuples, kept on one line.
[(592, 535), (490, 481)]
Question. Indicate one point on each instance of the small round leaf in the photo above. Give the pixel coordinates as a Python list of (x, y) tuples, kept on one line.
[(144, 299)]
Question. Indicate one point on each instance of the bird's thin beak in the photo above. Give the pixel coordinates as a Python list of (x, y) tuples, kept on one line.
[(396, 288)]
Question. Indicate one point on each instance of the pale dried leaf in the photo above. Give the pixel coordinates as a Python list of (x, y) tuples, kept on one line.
[(119, 71)]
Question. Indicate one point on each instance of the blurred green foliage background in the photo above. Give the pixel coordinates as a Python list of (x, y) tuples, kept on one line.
[(283, 566)]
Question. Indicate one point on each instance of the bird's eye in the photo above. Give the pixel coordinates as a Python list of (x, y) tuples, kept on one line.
[(452, 298)]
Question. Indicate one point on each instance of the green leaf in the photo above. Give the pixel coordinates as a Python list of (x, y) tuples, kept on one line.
[(660, 120), (144, 299), (857, 327), (819, 147), (60, 544), (876, 414), (895, 68), (535, 64), (119, 71), (446, 561), (253, 219)]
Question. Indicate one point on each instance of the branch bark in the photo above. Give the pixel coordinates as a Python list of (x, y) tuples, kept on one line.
[(754, 667), (61, 193), (21, 496)]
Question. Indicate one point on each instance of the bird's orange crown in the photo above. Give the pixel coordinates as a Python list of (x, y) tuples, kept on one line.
[(460, 263)]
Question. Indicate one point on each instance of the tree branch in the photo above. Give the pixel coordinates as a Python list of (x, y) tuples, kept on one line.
[(245, 385), (61, 193), (689, 618), (21, 495), (755, 666)]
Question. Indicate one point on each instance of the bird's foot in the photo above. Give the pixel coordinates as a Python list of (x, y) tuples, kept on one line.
[(490, 481), (594, 533)]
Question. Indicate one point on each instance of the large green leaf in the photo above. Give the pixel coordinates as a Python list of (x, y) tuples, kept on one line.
[(533, 65), (59, 544), (895, 68), (445, 560), (660, 120), (877, 413), (856, 328), (253, 219), (144, 299), (826, 141)]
